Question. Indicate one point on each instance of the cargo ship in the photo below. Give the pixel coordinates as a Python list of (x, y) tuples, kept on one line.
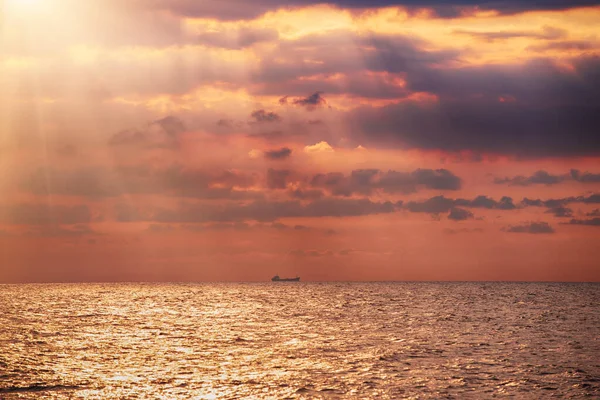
[(276, 278)]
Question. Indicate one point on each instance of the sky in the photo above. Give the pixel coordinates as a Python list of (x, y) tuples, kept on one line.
[(350, 140)]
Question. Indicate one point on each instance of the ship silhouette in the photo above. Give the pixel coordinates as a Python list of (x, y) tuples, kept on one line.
[(276, 278)]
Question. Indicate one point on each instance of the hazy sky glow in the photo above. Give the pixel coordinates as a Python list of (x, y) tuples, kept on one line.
[(228, 140)]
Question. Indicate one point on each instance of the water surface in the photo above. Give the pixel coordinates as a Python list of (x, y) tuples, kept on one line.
[(300, 340)]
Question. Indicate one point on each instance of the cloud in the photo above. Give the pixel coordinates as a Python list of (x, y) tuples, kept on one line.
[(531, 227), (125, 212), (277, 178), (44, 214), (265, 116), (539, 177), (383, 62), (173, 180), (311, 102), (586, 222), (266, 211), (160, 228), (307, 194), (434, 205), (242, 10), (61, 231), (238, 226), (560, 211), (564, 45), (321, 147), (459, 214), (162, 133), (225, 122), (172, 126), (594, 213), (585, 177), (441, 204), (550, 203), (311, 253), (219, 226), (365, 181), (86, 182), (545, 178), (547, 33), (280, 154), (235, 38), (555, 113), (463, 230), (505, 203)]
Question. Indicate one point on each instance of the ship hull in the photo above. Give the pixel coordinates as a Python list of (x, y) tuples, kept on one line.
[(286, 280)]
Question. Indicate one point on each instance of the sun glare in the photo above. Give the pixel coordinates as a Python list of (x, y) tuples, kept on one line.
[(24, 4)]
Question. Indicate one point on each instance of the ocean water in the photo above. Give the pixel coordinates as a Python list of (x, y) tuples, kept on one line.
[(300, 340)]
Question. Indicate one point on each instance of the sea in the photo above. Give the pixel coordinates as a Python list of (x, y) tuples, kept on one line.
[(300, 340)]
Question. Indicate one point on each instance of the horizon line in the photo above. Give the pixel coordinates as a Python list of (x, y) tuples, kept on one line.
[(278, 283)]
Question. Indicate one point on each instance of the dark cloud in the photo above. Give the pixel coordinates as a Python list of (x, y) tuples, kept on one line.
[(280, 154), (585, 177), (505, 203), (228, 123), (545, 178), (307, 194), (532, 109), (459, 214), (553, 113), (594, 213), (560, 212), (441, 204), (365, 181), (311, 102), (586, 222), (85, 182), (237, 38), (531, 202), (162, 133), (44, 214), (389, 54), (219, 226), (547, 33), (265, 211), (591, 199), (233, 178), (174, 180), (125, 212), (242, 9), (564, 45), (539, 177), (439, 179), (531, 227), (270, 136), (434, 205), (184, 182), (265, 116), (277, 178), (231, 226), (551, 203), (172, 126)]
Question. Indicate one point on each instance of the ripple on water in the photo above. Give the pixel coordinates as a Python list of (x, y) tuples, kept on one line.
[(376, 340)]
